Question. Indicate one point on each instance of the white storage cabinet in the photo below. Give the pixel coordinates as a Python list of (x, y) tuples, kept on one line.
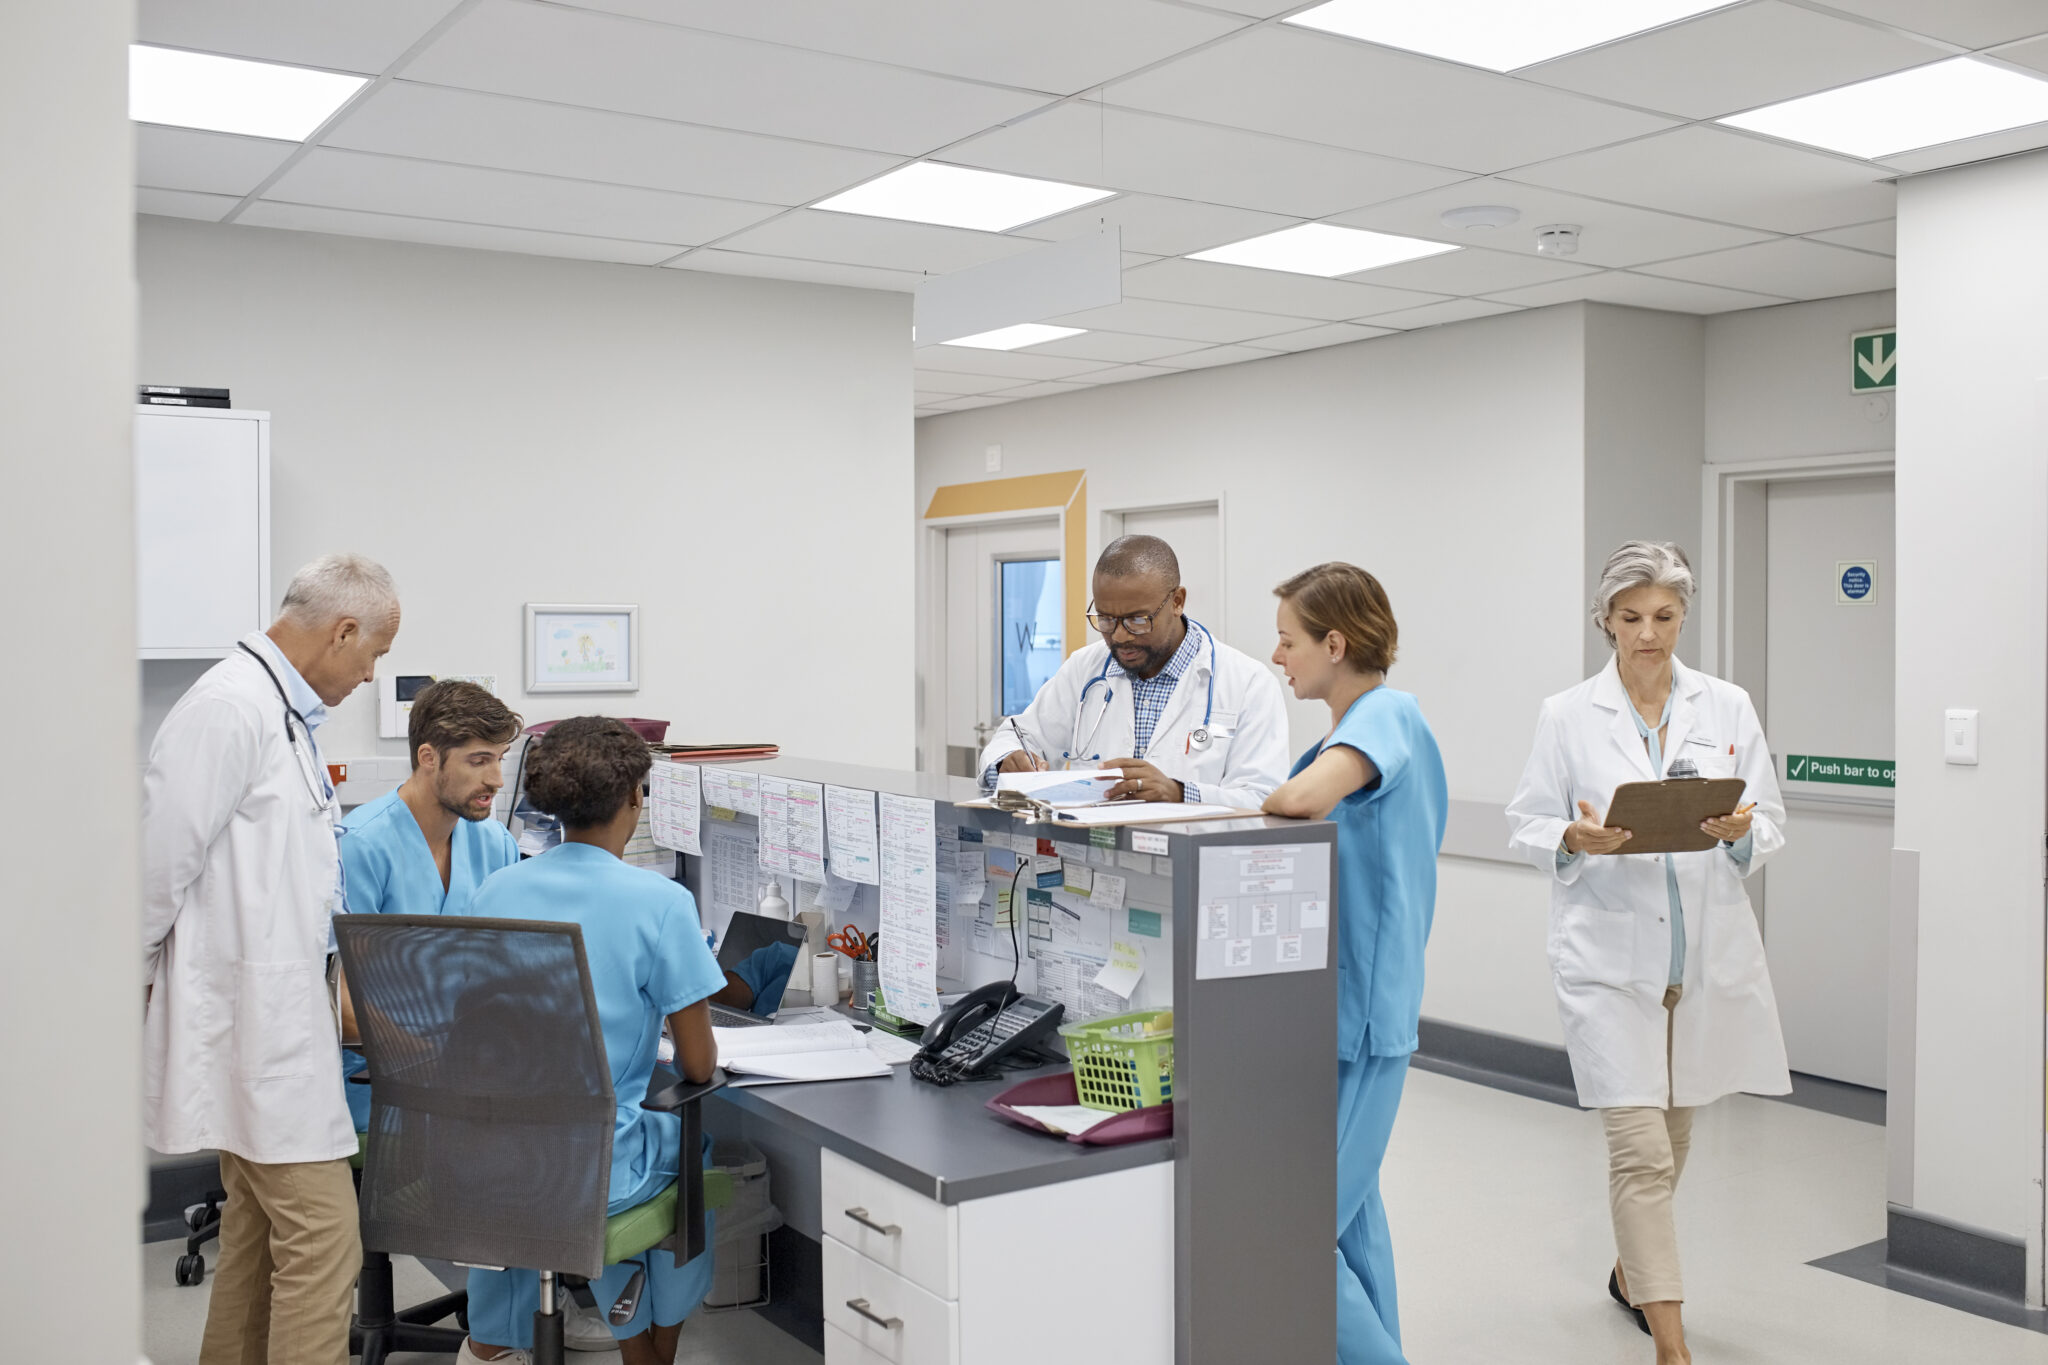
[(202, 530)]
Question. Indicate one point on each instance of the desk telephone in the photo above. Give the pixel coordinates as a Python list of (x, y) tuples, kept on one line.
[(982, 1029)]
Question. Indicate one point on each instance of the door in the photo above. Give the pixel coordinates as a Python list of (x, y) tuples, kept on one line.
[(1004, 624), (1194, 533), (1829, 665)]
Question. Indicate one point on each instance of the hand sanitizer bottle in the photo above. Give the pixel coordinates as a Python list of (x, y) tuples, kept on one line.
[(772, 904)]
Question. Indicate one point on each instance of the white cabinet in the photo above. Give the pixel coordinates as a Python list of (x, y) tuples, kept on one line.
[(202, 530), (1080, 1269)]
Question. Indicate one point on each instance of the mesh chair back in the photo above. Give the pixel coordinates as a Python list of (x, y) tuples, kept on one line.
[(491, 1103)]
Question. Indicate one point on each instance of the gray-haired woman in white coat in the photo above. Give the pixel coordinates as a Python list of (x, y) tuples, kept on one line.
[(1660, 974)]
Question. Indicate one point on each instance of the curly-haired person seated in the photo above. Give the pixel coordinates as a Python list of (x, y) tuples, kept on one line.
[(648, 962)]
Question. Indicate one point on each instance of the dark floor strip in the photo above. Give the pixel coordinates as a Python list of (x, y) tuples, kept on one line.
[(1868, 1264)]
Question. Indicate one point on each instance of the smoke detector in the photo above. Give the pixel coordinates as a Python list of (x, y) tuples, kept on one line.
[(1481, 216), (1559, 239)]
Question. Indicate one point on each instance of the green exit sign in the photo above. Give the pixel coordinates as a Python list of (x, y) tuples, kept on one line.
[(1850, 772), (1874, 360)]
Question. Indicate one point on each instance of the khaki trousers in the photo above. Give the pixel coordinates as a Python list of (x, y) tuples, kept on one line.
[(1646, 1150), (290, 1248)]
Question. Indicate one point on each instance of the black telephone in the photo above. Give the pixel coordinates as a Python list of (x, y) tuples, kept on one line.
[(980, 1030)]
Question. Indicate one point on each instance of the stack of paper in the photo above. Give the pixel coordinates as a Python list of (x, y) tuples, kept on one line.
[(1061, 790), (834, 1051)]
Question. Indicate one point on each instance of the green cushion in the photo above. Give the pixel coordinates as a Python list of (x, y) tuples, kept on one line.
[(355, 1163), (649, 1224)]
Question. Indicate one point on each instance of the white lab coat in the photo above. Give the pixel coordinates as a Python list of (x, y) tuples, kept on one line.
[(1610, 935), (1246, 757), (240, 880)]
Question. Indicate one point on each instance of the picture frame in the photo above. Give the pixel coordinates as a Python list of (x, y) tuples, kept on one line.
[(582, 648)]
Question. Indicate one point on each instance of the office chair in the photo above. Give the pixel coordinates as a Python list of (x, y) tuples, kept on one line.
[(491, 1112)]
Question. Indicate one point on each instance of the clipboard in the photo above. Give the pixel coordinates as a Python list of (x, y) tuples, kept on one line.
[(1665, 816)]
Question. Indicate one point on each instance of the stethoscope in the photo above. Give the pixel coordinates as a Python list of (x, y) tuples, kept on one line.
[(308, 771), (1198, 738)]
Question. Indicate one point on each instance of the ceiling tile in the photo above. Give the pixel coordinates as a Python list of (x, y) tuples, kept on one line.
[(478, 236), (2007, 143), (1257, 9), (1791, 266), (1968, 23), (1123, 347), (363, 35), (185, 204), (1059, 46), (1437, 314), (2033, 55), (1124, 374), (1614, 234), (1350, 94), (923, 399), (1091, 145), (213, 163), (426, 189), (1883, 236), (721, 262), (631, 66), (1329, 334), (440, 124), (1045, 390), (1273, 291), (966, 404), (1163, 227), (1474, 271), (1640, 291), (1728, 176), (1017, 365), (1150, 317), (1216, 355), (946, 382), (816, 235), (1735, 58)]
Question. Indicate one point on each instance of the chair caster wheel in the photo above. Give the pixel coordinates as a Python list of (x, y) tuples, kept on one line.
[(191, 1270), (198, 1216)]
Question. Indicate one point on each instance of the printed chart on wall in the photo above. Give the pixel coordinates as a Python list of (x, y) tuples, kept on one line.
[(1263, 908), (674, 807), (910, 907), (732, 873)]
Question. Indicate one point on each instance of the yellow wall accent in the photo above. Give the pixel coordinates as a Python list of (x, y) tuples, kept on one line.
[(1065, 492)]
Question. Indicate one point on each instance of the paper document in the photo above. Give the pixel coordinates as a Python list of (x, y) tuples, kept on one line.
[(1064, 1118), (1061, 790), (674, 800), (851, 834), (910, 907), (889, 1048), (738, 1044), (731, 790), (1109, 891), (804, 815), (831, 1051), (790, 1067), (1143, 812), (1126, 968), (732, 877)]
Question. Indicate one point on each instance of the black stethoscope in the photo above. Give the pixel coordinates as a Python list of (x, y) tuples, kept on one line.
[(1198, 738), (308, 769)]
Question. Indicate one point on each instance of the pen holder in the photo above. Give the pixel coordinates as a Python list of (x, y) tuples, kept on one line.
[(865, 980)]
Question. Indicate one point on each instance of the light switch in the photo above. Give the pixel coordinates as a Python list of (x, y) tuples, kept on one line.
[(1959, 736), (993, 460)]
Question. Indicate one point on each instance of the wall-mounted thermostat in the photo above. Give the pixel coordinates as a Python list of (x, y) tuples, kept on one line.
[(395, 694)]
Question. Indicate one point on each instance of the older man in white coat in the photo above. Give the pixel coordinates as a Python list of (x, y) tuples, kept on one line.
[(1184, 716), (241, 880)]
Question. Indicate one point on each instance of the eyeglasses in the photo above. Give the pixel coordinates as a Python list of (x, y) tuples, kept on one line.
[(1135, 623)]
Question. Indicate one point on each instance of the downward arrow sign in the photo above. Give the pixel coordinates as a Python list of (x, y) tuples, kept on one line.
[(1877, 364)]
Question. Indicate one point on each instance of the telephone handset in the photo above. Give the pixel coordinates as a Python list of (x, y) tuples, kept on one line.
[(982, 1029)]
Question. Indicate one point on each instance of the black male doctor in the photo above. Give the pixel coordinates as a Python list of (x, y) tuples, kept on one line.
[(1183, 715)]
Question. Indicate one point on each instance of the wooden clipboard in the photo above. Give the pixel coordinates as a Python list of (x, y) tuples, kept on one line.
[(1664, 817)]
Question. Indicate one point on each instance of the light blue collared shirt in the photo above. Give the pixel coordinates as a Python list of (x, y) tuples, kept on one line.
[(299, 693)]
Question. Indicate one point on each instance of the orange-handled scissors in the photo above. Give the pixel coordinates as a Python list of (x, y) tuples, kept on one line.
[(852, 942)]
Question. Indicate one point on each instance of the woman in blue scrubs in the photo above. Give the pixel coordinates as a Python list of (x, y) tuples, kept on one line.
[(648, 964), (1379, 777)]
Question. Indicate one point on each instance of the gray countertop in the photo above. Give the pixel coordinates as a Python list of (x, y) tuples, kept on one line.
[(940, 1142)]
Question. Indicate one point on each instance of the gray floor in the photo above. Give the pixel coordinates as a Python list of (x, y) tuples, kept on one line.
[(1499, 1211)]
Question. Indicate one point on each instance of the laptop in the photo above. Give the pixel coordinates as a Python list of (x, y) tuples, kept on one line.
[(747, 934)]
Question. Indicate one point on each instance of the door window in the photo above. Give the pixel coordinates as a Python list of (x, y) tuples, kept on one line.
[(1028, 625)]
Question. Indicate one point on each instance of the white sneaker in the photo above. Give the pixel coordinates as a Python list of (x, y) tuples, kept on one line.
[(586, 1329), (465, 1356)]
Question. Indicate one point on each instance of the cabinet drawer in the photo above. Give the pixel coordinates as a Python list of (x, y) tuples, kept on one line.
[(885, 1313), (841, 1349), (916, 1237)]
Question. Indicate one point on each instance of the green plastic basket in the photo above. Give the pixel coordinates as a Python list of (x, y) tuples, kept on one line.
[(1124, 1061)]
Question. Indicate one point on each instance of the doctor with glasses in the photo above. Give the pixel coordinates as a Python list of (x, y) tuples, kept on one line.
[(1182, 715)]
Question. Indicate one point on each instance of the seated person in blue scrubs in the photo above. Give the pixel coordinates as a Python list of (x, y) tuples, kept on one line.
[(648, 964), (757, 983), (426, 847)]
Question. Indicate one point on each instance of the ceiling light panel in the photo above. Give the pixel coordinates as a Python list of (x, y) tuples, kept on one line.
[(230, 95), (1322, 249), (1500, 35), (956, 196), (1924, 107), (1011, 338)]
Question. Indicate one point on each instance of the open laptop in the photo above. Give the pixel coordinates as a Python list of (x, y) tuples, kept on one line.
[(747, 934)]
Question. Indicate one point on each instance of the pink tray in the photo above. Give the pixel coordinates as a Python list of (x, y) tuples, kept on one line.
[(1136, 1125)]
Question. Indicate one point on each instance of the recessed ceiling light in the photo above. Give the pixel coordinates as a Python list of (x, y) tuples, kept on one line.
[(1481, 216), (1322, 249), (1499, 35), (954, 196), (230, 95), (1924, 107), (1010, 338)]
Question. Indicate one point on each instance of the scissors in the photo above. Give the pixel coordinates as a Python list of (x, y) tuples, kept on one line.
[(853, 943)]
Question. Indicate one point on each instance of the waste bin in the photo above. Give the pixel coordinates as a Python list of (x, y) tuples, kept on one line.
[(739, 1274)]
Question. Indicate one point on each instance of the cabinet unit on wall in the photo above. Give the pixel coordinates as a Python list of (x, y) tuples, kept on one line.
[(202, 530)]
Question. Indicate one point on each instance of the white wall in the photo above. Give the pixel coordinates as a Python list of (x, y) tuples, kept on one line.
[(1972, 595), (734, 455), (1778, 381), (70, 997)]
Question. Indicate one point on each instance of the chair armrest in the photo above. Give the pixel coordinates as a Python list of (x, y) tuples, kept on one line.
[(674, 1098)]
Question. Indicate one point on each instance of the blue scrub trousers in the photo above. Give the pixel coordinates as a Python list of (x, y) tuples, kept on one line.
[(1368, 1320), (502, 1302)]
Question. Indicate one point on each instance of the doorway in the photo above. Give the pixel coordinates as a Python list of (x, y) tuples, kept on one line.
[(1195, 531), (1004, 628)]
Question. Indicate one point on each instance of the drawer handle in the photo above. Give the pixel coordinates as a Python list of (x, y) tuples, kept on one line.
[(860, 1216), (861, 1307)]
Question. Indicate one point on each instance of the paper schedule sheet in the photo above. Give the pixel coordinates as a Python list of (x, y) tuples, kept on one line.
[(851, 835), (674, 808), (804, 825), (910, 906)]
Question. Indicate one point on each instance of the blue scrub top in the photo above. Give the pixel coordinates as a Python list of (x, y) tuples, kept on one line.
[(389, 870), (647, 960), (766, 972), (1388, 835)]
